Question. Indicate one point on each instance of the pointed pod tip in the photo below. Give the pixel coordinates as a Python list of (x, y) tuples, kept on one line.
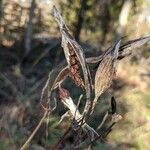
[(115, 49), (54, 11)]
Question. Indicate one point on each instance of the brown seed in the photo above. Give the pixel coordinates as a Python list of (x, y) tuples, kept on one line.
[(78, 80), (73, 70), (73, 61), (76, 67)]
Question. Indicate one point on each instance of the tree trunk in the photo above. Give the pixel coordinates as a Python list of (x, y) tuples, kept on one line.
[(1, 16), (104, 18), (123, 18), (80, 20), (28, 34)]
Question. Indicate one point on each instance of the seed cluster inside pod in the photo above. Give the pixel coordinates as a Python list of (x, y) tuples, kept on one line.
[(74, 66)]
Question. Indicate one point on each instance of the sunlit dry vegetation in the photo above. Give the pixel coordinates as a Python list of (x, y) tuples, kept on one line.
[(74, 74)]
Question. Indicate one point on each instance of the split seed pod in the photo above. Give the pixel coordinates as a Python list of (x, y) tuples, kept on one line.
[(74, 67), (75, 58)]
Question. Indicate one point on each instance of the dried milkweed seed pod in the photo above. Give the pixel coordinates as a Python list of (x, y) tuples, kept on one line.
[(105, 72), (124, 50), (75, 57), (104, 76)]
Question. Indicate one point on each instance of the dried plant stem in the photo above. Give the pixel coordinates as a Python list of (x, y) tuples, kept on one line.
[(86, 143), (56, 146), (68, 101), (35, 130), (94, 104), (89, 128), (103, 121)]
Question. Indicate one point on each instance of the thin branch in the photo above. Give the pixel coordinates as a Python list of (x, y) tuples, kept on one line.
[(35, 130), (103, 121), (56, 146), (77, 106), (66, 114)]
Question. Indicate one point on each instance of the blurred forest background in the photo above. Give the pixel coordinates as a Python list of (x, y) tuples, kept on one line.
[(30, 47)]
